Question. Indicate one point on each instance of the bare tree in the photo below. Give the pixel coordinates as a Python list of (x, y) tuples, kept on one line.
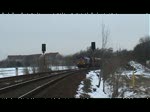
[(43, 65), (105, 34), (26, 70)]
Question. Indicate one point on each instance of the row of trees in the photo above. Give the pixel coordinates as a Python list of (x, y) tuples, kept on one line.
[(142, 50), (140, 53)]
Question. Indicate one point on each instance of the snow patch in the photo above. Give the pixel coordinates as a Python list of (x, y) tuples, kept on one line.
[(139, 70), (10, 72), (96, 92)]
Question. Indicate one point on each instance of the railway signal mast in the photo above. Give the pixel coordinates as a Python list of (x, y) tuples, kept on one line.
[(43, 50), (93, 49), (93, 46)]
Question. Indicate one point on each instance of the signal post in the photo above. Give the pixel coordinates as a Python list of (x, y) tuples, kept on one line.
[(93, 49), (43, 50)]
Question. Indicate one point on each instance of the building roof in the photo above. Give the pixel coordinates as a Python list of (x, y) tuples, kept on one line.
[(31, 55)]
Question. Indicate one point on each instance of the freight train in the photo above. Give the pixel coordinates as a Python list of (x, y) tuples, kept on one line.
[(85, 62)]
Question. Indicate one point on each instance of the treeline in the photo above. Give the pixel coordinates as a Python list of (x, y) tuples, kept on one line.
[(142, 50), (140, 53), (5, 64), (71, 59)]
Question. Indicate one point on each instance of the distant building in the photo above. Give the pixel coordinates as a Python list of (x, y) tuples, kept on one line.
[(29, 59), (17, 58)]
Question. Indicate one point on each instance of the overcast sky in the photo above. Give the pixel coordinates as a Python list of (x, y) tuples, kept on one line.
[(68, 33)]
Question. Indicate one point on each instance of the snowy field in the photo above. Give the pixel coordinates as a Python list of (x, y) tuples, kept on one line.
[(142, 89), (9, 72)]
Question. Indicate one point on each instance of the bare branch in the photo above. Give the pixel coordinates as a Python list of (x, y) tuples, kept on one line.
[(105, 34)]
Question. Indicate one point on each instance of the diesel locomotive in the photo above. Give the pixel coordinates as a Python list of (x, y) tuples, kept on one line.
[(85, 62)]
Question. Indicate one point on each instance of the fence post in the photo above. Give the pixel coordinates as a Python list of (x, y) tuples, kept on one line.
[(16, 71), (133, 80)]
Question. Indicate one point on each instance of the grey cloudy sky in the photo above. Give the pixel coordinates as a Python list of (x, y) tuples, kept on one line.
[(68, 33)]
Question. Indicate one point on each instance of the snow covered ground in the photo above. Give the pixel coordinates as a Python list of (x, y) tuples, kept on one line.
[(9, 72), (139, 70), (141, 90), (95, 92), (142, 81)]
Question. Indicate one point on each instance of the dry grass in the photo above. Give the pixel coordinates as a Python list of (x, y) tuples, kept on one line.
[(87, 86), (84, 95)]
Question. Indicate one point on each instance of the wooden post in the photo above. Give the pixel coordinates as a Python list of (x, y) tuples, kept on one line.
[(133, 80), (16, 71)]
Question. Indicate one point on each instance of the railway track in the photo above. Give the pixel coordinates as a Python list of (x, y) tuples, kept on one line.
[(31, 87), (16, 79)]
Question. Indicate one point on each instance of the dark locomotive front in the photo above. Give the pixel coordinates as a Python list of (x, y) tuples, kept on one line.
[(85, 62)]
